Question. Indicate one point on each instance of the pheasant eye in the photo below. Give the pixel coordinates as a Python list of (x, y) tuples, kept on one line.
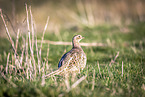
[(79, 36)]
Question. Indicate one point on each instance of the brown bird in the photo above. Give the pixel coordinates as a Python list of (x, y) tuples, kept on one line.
[(72, 61)]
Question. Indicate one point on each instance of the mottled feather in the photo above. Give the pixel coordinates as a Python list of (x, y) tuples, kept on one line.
[(72, 61)]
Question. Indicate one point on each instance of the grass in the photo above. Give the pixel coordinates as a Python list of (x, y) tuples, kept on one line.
[(125, 76)]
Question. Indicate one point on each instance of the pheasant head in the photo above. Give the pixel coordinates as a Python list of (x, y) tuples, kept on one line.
[(76, 40)]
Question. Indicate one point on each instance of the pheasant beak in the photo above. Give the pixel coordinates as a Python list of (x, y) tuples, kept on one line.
[(83, 37)]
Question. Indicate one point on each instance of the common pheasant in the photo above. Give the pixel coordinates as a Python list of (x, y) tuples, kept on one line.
[(72, 61)]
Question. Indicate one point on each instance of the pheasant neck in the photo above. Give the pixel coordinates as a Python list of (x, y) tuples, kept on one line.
[(76, 44)]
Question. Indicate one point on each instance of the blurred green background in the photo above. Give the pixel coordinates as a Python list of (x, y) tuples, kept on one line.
[(72, 13)]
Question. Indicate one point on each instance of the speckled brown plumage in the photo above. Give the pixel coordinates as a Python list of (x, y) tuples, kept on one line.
[(74, 60)]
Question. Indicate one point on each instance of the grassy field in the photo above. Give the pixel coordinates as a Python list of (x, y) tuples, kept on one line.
[(125, 76)]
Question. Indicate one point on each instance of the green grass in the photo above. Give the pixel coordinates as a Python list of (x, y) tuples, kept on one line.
[(108, 81)]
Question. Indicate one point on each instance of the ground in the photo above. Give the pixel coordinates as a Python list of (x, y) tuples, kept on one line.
[(123, 77)]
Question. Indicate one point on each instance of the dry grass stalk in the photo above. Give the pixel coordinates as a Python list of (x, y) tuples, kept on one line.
[(122, 68), (47, 67), (76, 83), (93, 80), (112, 61), (40, 92), (27, 13), (30, 44), (32, 55), (17, 40), (39, 51), (1, 68), (43, 34), (67, 82), (28, 65), (43, 74), (32, 27), (27, 72), (14, 85), (7, 63), (99, 69), (70, 43), (26, 45), (22, 54), (11, 67), (55, 81), (38, 57), (7, 31)]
